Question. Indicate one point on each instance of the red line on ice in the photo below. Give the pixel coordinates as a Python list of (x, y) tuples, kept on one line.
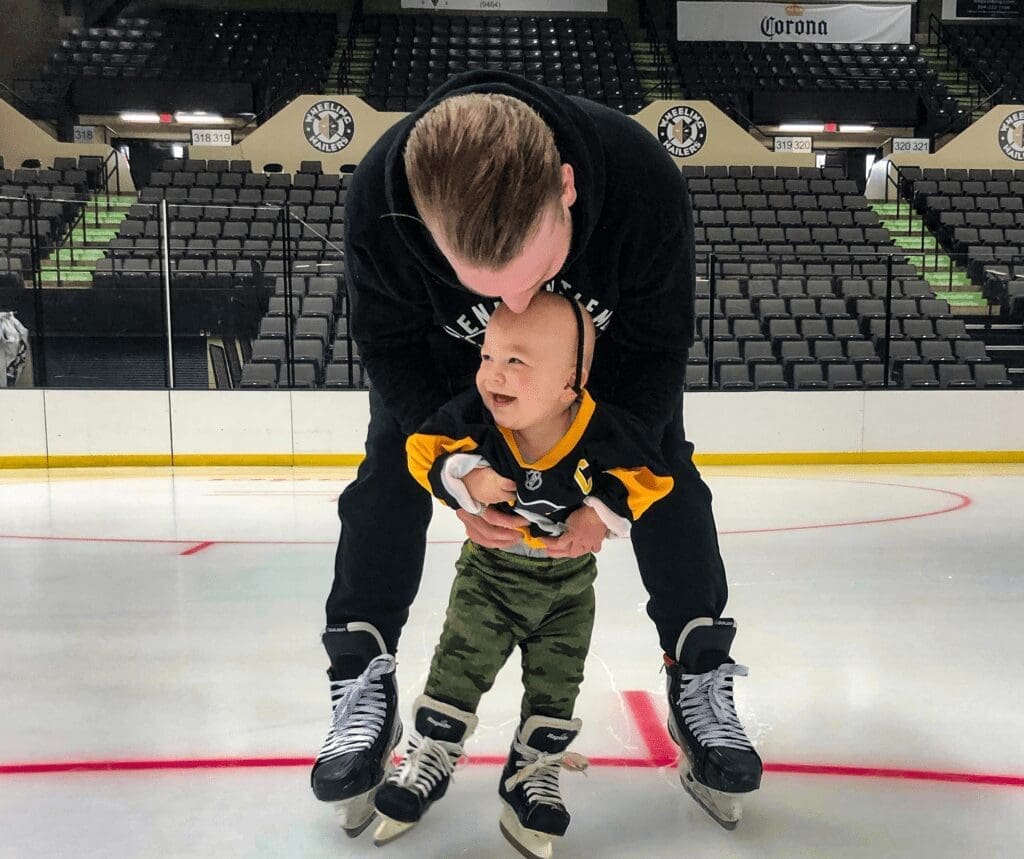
[(962, 502), (198, 547), (662, 752)]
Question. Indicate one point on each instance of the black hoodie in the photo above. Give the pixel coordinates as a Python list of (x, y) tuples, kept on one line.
[(630, 264)]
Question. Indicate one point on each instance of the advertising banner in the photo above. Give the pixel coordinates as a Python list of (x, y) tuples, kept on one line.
[(792, 22), (589, 6), (955, 10)]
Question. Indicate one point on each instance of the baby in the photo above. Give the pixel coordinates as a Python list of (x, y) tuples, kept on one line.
[(531, 439)]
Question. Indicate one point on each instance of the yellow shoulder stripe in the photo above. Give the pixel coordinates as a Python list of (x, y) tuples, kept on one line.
[(643, 487), (422, 451)]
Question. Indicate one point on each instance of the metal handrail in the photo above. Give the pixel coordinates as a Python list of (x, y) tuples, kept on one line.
[(24, 101), (268, 111), (896, 254), (980, 96), (988, 99)]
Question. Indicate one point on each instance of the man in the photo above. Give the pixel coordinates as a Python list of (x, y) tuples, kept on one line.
[(497, 188)]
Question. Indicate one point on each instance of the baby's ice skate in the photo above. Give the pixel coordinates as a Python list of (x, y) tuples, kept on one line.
[(718, 764), (422, 778), (533, 814)]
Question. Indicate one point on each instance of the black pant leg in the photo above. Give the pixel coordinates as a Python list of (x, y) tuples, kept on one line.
[(676, 546), (384, 517)]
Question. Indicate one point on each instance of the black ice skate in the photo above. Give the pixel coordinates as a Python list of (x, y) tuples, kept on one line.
[(356, 755), (423, 776), (718, 764), (533, 814)]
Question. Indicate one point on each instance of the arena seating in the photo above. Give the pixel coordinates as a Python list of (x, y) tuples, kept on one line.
[(58, 189), (992, 53), (869, 83), (226, 229), (977, 216), (278, 53), (800, 281), (588, 57)]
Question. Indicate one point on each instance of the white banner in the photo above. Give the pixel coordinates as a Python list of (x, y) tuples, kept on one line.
[(791, 22), (85, 134), (917, 145), (794, 144), (507, 5), (212, 137)]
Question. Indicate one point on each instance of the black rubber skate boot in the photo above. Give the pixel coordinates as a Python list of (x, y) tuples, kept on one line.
[(533, 813), (718, 763), (423, 776), (356, 755)]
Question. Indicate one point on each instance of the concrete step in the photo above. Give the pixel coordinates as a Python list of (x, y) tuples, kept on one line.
[(53, 277)]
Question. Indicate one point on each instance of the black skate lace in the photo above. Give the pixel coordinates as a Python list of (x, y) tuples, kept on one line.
[(708, 708), (360, 709), (426, 763), (538, 772)]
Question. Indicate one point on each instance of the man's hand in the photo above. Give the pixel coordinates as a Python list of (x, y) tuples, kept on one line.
[(585, 532), (486, 486), (492, 528)]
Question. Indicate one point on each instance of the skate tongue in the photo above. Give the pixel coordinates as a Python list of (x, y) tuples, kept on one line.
[(550, 740), (350, 649), (707, 647), (439, 726)]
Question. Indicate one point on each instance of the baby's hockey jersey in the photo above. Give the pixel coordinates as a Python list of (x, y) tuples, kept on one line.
[(604, 460)]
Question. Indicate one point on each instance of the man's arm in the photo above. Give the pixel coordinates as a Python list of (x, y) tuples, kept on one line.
[(652, 332), (392, 333), (652, 329)]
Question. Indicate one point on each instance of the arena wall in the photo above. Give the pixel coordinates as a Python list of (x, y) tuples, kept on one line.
[(981, 146), (21, 138), (284, 140), (725, 143), (59, 428)]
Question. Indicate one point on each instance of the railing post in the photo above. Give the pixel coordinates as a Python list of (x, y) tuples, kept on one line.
[(37, 290), (712, 285), (289, 333), (165, 265), (888, 317)]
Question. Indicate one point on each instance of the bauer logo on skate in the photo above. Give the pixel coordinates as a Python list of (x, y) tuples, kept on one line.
[(442, 724), (471, 324)]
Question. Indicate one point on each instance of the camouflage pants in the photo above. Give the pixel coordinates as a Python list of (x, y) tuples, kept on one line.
[(500, 600)]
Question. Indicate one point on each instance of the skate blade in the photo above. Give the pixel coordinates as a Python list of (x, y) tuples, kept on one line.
[(388, 830), (724, 808), (529, 842), (356, 814)]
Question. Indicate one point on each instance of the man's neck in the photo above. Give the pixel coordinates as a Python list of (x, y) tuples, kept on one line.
[(534, 442)]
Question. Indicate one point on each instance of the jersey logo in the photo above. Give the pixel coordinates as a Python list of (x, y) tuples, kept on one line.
[(533, 480), (582, 477)]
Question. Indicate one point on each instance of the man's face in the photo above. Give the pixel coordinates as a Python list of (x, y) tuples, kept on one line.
[(543, 256)]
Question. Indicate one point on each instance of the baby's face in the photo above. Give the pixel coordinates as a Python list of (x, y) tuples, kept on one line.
[(525, 370)]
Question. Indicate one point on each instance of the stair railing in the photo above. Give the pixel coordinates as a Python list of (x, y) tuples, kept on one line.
[(976, 94)]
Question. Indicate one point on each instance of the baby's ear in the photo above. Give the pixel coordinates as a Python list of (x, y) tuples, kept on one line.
[(571, 383)]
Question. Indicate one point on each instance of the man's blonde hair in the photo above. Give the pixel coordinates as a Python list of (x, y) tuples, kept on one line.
[(482, 168)]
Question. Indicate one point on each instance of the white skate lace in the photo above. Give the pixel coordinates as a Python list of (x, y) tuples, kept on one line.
[(360, 710), (707, 705), (539, 772), (427, 762)]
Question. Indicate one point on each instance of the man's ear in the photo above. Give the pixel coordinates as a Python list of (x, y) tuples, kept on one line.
[(568, 186)]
